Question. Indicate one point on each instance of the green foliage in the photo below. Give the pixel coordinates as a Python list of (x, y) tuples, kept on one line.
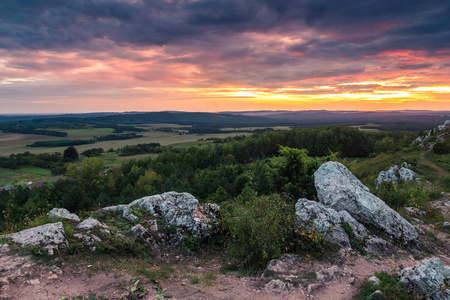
[(259, 229), (389, 286), (348, 230), (403, 194), (190, 243), (442, 147), (311, 240), (70, 154)]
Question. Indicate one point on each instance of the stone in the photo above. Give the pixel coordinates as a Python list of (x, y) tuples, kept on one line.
[(339, 189), (62, 213), (140, 233), (181, 210), (277, 286), (329, 274), (286, 264), (313, 215), (379, 247), (124, 209), (395, 173), (89, 240), (429, 279), (446, 224), (374, 280), (378, 295), (414, 211), (49, 236), (359, 231), (314, 287), (90, 224)]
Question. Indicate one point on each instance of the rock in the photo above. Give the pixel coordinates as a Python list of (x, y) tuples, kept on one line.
[(430, 279), (90, 224), (89, 240), (140, 234), (277, 286), (395, 173), (446, 224), (314, 287), (328, 274), (374, 280), (286, 264), (379, 247), (313, 215), (413, 211), (378, 295), (63, 213), (339, 189), (124, 209), (49, 236), (359, 231), (181, 210)]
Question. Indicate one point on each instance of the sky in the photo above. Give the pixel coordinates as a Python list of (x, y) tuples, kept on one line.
[(62, 56)]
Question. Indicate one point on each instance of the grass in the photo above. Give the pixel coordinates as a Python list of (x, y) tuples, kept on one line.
[(8, 176)]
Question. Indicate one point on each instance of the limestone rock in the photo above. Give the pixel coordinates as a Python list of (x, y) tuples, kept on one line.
[(89, 240), (327, 221), (181, 210), (328, 274), (277, 286), (286, 264), (140, 233), (374, 280), (395, 173), (413, 211), (49, 236), (379, 247), (430, 279), (90, 224), (359, 231), (124, 209), (63, 214), (339, 189)]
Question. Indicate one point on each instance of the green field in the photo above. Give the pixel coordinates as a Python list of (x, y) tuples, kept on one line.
[(8, 176)]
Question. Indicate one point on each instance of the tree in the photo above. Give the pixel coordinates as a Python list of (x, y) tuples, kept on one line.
[(70, 154)]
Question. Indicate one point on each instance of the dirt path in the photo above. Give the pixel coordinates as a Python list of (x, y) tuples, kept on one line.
[(440, 172)]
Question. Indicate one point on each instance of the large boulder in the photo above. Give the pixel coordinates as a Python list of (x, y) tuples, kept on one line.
[(181, 210), (62, 213), (430, 279), (339, 189), (49, 236), (311, 214), (124, 209)]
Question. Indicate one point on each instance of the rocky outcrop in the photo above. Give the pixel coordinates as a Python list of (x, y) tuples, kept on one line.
[(88, 239), (181, 210), (379, 247), (339, 189), (396, 173), (430, 279), (285, 265), (62, 213), (90, 224), (124, 209), (277, 286), (326, 221), (49, 236)]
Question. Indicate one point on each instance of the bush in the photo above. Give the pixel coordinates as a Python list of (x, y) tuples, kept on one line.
[(389, 286), (259, 230)]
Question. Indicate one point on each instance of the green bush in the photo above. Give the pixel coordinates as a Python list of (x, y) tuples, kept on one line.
[(259, 229), (389, 286)]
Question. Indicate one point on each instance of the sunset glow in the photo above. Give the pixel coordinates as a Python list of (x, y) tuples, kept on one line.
[(209, 55)]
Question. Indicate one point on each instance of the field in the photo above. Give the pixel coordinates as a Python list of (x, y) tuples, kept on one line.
[(13, 143), (16, 143)]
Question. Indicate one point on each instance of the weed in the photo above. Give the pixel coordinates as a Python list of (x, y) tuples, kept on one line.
[(195, 280)]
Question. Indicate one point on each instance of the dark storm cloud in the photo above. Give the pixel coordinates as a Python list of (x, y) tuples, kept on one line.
[(351, 26)]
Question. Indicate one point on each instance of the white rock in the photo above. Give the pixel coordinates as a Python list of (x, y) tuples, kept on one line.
[(49, 236), (63, 214), (90, 224), (339, 189)]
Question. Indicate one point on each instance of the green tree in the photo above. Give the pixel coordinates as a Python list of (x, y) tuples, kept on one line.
[(70, 154)]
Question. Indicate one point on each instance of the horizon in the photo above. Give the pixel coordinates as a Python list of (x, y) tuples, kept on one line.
[(203, 55)]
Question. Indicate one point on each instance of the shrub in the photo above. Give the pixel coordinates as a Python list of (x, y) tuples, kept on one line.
[(389, 286), (258, 230)]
